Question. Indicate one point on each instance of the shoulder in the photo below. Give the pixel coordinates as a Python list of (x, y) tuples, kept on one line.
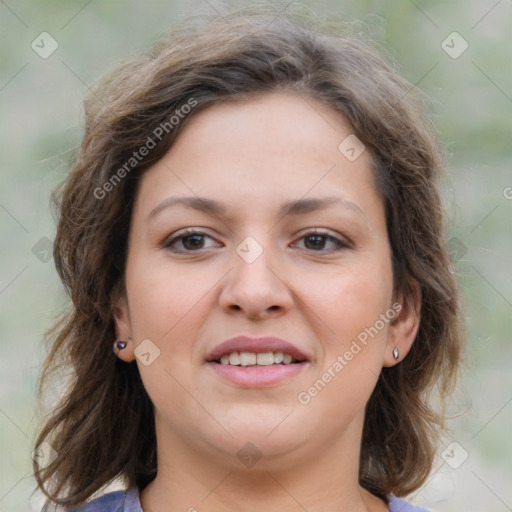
[(400, 505), (117, 501)]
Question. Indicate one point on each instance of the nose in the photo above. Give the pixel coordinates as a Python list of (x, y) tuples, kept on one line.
[(256, 289)]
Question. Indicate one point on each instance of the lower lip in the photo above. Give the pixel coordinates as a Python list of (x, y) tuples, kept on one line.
[(257, 376)]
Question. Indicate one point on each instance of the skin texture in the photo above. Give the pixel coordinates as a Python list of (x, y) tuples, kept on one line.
[(252, 156)]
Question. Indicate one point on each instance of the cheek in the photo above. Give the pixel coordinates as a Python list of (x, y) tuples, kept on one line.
[(353, 334), (349, 299), (167, 306), (162, 295)]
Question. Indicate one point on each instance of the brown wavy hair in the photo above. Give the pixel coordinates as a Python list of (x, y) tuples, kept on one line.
[(103, 426)]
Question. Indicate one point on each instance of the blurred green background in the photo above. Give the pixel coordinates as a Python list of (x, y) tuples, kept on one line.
[(471, 93)]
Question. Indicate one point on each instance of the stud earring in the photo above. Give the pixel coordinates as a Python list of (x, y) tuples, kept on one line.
[(120, 345), (396, 354)]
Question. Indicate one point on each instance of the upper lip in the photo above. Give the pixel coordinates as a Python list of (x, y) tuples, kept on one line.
[(249, 344)]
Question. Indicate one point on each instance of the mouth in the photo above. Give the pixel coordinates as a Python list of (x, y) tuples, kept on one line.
[(249, 351), (256, 362), (257, 359)]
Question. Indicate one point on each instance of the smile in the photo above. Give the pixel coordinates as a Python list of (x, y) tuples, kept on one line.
[(256, 359), (257, 370)]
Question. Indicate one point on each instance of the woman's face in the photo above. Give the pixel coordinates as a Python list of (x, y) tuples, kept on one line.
[(258, 224)]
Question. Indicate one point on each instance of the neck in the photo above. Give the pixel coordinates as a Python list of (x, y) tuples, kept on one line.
[(189, 481)]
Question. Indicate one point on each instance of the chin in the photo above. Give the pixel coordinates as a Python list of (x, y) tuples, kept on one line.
[(269, 439)]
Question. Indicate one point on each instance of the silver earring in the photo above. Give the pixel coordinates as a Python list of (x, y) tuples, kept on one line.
[(396, 354)]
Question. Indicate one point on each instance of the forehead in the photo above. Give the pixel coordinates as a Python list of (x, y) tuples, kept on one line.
[(275, 147), (276, 124)]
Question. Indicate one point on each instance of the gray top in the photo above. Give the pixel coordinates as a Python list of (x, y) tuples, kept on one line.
[(128, 501)]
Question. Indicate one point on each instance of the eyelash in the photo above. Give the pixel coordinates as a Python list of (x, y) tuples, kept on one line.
[(341, 244)]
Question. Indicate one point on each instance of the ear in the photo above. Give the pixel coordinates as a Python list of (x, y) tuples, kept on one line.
[(404, 327), (123, 329)]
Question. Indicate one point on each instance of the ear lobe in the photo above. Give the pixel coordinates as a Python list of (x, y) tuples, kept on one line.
[(404, 327), (124, 350), (122, 326)]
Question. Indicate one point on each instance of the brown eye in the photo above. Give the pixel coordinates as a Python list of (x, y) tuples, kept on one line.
[(322, 242), (190, 241)]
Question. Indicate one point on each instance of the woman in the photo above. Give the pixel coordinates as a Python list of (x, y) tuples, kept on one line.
[(262, 301)]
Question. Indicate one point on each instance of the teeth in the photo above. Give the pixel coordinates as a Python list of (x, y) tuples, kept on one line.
[(247, 358), (265, 358), (278, 357), (252, 358), (234, 358)]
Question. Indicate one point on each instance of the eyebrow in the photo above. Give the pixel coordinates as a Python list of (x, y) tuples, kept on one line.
[(294, 207)]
